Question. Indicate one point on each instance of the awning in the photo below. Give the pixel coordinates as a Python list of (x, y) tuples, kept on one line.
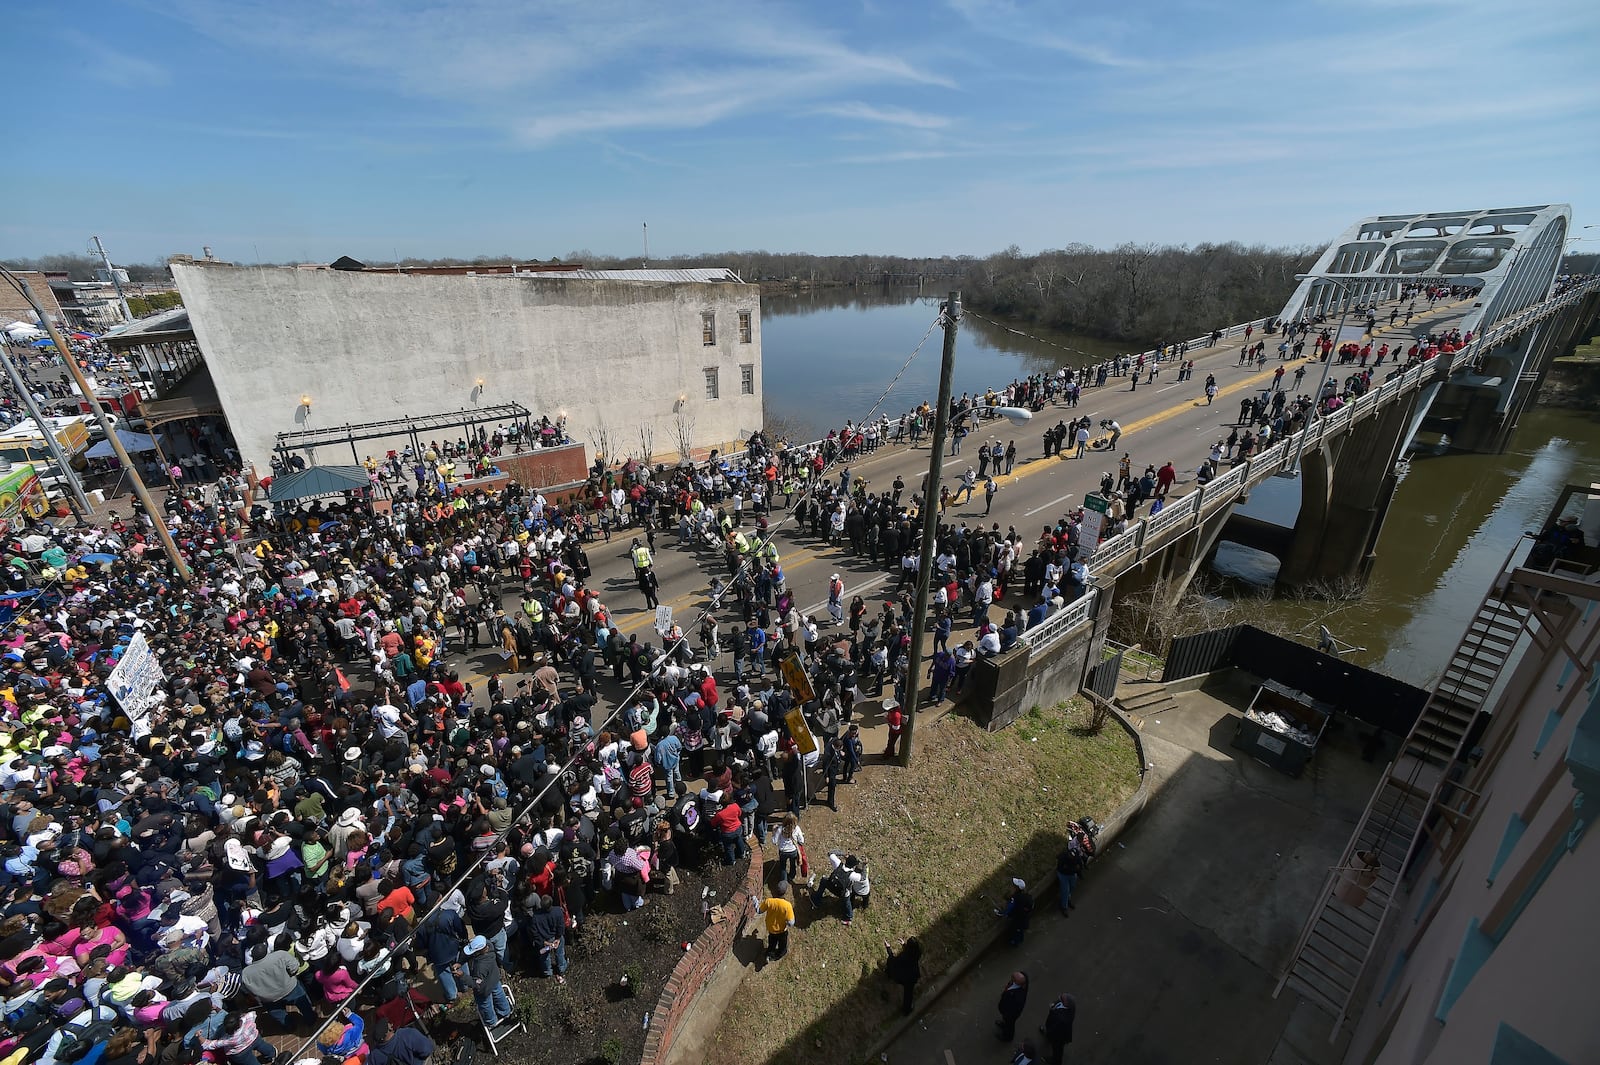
[(133, 443), (196, 397), (317, 481)]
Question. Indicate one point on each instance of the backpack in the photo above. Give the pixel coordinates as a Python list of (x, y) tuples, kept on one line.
[(76, 1042)]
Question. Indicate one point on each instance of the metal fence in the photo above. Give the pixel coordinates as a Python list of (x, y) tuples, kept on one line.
[(1102, 679), (1062, 621)]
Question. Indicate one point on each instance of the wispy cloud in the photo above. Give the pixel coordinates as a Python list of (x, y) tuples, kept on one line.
[(544, 72), (891, 116), (1050, 27), (113, 66)]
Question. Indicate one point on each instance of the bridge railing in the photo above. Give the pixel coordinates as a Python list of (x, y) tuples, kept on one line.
[(1173, 514), (1063, 621)]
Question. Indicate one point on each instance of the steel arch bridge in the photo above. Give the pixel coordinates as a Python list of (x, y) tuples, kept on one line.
[(1509, 256)]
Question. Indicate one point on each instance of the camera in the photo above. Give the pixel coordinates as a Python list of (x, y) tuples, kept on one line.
[(1105, 423)]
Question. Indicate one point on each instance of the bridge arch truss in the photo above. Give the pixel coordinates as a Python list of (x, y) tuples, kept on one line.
[(1509, 254)]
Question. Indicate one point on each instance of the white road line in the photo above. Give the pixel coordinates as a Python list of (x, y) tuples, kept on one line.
[(857, 590), (1046, 506)]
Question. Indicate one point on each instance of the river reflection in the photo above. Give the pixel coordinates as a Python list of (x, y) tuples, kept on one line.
[(827, 354), (1453, 521)]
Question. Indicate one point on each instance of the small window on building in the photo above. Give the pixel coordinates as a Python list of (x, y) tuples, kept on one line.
[(747, 379), (708, 328), (744, 327), (713, 390)]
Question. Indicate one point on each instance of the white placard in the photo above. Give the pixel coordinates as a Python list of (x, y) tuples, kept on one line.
[(663, 620), (137, 682)]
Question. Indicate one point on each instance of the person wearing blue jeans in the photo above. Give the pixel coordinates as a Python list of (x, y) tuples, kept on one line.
[(1069, 866), (669, 759), (548, 929), (482, 975)]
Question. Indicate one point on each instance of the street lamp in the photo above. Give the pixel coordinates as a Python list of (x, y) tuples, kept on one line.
[(930, 514), (1292, 470)]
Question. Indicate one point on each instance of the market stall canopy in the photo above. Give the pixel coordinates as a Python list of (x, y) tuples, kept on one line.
[(132, 442), (318, 481)]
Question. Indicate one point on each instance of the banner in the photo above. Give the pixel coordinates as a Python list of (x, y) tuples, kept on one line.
[(799, 731), (794, 675), (137, 682)]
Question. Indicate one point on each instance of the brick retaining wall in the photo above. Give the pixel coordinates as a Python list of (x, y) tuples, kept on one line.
[(545, 466), (693, 971)]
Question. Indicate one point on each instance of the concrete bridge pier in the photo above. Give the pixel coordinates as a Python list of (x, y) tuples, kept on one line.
[(1345, 491), (1174, 564)]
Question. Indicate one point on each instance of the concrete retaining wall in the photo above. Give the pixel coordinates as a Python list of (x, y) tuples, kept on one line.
[(366, 347), (1011, 684)]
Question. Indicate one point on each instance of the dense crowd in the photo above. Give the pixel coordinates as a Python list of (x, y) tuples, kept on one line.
[(316, 813)]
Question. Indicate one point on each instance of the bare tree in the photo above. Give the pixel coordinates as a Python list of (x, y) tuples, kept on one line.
[(647, 441), (602, 436), (1154, 617), (683, 434)]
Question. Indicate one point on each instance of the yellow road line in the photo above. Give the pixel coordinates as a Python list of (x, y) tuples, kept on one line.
[(1253, 381)]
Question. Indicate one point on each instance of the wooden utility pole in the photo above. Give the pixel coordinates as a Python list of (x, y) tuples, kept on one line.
[(930, 526)]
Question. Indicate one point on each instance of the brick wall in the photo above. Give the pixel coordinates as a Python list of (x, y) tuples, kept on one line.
[(546, 466), (13, 308), (694, 969)]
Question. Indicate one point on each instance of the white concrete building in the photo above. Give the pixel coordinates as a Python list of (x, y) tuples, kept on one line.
[(636, 360)]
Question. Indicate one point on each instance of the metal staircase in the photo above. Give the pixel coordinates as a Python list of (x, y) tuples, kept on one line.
[(1342, 931)]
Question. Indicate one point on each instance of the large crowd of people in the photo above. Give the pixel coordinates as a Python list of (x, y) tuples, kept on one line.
[(319, 808)]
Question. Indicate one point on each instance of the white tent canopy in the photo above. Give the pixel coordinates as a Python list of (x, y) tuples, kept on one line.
[(133, 443), (24, 331)]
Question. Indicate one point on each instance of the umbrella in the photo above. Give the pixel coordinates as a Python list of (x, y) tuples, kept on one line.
[(46, 342), (98, 558), (81, 336)]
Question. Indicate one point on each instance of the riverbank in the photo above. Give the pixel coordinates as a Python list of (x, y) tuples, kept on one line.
[(1573, 382)]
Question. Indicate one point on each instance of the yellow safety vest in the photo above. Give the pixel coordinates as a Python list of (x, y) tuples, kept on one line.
[(641, 558)]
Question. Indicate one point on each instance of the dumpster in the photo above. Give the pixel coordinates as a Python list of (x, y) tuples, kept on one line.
[(1282, 727)]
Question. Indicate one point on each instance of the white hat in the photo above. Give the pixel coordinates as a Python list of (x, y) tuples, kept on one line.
[(352, 754), (1021, 886)]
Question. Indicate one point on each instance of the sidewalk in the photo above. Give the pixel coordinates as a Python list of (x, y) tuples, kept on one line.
[(1180, 930)]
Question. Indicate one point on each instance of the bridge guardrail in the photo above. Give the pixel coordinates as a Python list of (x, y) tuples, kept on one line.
[(1172, 514), (1062, 621), (1148, 534)]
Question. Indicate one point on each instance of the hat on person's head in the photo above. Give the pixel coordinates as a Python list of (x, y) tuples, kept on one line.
[(352, 754), (1019, 883), (417, 767), (475, 944), (486, 769), (350, 817)]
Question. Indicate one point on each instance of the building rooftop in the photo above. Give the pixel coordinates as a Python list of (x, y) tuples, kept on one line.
[(695, 274), (173, 321)]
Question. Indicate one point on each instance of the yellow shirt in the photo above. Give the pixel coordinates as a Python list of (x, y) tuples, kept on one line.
[(780, 914)]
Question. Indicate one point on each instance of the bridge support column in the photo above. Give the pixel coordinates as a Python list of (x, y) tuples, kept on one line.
[(1343, 500)]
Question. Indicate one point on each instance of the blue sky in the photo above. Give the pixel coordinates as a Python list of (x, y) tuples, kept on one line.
[(306, 129)]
